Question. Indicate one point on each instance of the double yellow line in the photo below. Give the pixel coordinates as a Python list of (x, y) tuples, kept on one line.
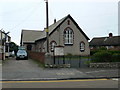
[(51, 81)]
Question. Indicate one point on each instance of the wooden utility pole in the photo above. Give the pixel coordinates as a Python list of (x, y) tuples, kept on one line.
[(47, 26), (2, 44)]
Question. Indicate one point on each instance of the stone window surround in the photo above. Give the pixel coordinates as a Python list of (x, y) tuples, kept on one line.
[(69, 39)]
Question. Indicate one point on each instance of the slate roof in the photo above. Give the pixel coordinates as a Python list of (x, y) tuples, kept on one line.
[(105, 41), (32, 36), (51, 28), (29, 36)]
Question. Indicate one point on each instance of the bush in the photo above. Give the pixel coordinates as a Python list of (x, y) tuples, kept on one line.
[(102, 48), (116, 57), (114, 52), (95, 51), (102, 56), (106, 56)]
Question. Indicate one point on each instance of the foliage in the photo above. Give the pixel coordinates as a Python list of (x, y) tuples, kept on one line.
[(92, 52), (116, 57), (13, 47), (69, 54), (102, 56), (87, 62), (113, 52), (102, 48), (106, 56), (40, 64)]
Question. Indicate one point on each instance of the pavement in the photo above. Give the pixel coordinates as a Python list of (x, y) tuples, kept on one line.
[(13, 70)]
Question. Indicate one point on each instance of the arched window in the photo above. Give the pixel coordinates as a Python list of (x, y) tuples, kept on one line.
[(82, 46), (68, 36), (29, 47), (53, 44)]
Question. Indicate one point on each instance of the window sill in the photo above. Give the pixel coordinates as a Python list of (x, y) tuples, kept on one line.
[(82, 50), (67, 44)]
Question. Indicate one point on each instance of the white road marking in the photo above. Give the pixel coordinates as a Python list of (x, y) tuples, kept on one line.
[(115, 79), (70, 73), (96, 71)]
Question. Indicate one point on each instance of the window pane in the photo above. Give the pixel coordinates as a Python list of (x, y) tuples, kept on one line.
[(68, 36), (82, 46)]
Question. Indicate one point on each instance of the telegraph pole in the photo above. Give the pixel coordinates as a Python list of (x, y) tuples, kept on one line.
[(47, 26), (3, 42)]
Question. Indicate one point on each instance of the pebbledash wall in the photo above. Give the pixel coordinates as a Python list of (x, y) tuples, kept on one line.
[(58, 37)]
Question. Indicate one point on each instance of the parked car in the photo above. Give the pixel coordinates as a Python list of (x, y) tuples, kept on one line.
[(21, 54)]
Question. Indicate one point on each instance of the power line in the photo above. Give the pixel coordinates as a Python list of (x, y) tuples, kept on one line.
[(27, 17)]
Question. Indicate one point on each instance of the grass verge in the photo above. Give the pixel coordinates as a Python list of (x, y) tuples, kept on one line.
[(38, 63)]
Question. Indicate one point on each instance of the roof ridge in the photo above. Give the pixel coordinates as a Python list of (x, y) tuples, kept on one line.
[(105, 37), (59, 20), (32, 30)]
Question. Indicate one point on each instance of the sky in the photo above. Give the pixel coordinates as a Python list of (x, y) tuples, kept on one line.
[(97, 18)]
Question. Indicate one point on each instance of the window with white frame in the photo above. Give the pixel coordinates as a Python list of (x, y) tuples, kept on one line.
[(82, 46), (68, 36), (53, 44)]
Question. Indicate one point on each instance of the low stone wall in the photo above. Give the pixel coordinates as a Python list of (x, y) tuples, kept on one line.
[(37, 56), (105, 65)]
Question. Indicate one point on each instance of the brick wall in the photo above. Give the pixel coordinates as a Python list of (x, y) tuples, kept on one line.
[(37, 56)]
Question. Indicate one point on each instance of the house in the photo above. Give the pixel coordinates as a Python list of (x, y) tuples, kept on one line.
[(4, 45), (28, 38), (64, 33), (111, 42)]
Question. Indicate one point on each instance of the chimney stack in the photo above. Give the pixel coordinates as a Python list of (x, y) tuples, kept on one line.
[(110, 35), (54, 21)]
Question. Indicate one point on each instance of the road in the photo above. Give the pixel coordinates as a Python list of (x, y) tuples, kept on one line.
[(29, 70), (88, 83), (31, 76)]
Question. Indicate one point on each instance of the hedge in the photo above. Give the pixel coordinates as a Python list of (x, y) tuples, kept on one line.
[(106, 56), (92, 52)]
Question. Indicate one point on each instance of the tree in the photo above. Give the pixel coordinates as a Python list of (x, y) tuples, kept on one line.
[(13, 47)]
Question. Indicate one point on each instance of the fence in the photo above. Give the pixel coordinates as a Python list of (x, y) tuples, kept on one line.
[(60, 61)]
